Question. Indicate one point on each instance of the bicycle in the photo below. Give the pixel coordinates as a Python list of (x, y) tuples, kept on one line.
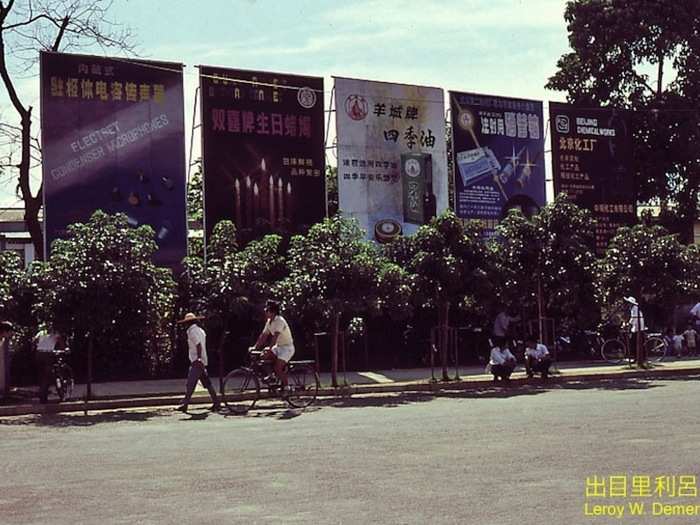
[(616, 349), (62, 374), (241, 387)]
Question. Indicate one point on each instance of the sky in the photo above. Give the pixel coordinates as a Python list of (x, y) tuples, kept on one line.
[(499, 47)]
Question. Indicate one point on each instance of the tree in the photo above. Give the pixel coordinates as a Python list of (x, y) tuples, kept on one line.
[(546, 263), (614, 43), (100, 284), (332, 271), (650, 264), (448, 261), (27, 26)]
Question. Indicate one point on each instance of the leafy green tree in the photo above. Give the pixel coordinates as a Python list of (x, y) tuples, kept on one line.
[(618, 47), (545, 264), (332, 272), (332, 190), (100, 284), (11, 273), (650, 264), (447, 261)]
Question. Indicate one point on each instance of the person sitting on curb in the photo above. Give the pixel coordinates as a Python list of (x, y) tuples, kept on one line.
[(502, 362), (197, 345), (536, 358)]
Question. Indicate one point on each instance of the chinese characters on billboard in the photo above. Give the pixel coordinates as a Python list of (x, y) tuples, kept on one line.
[(392, 169), (498, 156), (113, 139), (263, 150), (591, 158)]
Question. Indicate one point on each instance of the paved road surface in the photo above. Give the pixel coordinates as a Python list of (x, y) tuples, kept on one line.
[(499, 456)]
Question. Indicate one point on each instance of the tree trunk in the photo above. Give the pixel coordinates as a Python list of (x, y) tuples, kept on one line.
[(335, 329), (443, 326)]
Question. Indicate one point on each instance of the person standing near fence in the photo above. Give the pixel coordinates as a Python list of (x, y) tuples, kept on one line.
[(197, 346), (46, 342), (637, 328)]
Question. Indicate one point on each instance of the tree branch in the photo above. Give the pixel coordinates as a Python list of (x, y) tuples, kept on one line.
[(61, 32)]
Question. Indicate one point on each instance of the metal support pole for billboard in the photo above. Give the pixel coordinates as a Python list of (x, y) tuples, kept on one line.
[(194, 127)]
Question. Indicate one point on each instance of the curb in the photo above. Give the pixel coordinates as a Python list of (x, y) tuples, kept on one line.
[(475, 383)]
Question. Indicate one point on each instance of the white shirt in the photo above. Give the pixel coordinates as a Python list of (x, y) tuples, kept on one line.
[(500, 356), (197, 335), (690, 337), (278, 325), (678, 342), (636, 319), (46, 342), (539, 352)]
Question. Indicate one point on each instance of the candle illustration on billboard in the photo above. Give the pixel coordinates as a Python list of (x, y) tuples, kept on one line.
[(280, 198), (271, 192), (248, 201), (256, 202), (239, 211)]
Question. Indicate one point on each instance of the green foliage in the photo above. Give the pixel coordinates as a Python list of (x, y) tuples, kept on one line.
[(332, 271), (448, 261), (614, 47), (223, 241), (101, 281), (650, 264), (195, 195), (11, 273), (552, 252), (332, 190)]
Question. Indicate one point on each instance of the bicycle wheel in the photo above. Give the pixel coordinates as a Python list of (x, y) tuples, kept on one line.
[(613, 351), (64, 383), (304, 385), (241, 390), (655, 348)]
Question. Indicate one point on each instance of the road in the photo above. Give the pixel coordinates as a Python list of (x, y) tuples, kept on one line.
[(497, 456)]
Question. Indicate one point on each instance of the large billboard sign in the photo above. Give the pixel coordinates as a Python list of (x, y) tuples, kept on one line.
[(392, 161), (263, 150), (113, 139), (591, 162), (498, 156)]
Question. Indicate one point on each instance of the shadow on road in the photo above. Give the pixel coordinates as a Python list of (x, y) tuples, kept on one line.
[(81, 420)]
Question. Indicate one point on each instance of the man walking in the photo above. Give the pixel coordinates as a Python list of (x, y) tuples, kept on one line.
[(197, 345)]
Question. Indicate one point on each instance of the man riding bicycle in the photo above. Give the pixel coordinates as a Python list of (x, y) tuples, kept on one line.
[(278, 335)]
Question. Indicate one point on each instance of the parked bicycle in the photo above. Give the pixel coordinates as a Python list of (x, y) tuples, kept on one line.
[(241, 387), (62, 375), (617, 349)]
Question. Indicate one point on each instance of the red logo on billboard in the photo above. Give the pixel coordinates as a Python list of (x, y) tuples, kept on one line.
[(356, 107)]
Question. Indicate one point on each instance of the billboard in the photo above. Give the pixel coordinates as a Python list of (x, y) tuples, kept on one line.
[(591, 163), (263, 150), (392, 161), (498, 156), (113, 139)]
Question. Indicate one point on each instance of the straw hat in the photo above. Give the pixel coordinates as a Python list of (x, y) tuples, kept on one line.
[(189, 316), (631, 300)]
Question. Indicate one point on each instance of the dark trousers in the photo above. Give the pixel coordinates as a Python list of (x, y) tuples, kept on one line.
[(44, 362), (198, 372), (502, 371), (532, 366)]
